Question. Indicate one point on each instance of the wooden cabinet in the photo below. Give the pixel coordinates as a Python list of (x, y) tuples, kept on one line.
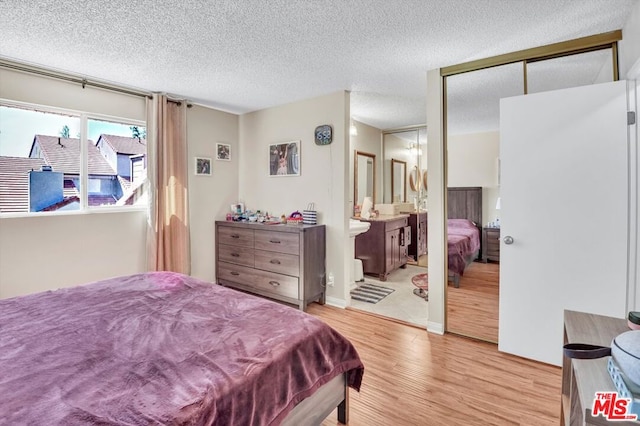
[(582, 378), (418, 224), (491, 244), (384, 247), (282, 262)]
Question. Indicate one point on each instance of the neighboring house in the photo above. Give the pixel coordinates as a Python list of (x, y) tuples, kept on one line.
[(63, 155), (127, 156), (49, 179), (14, 182)]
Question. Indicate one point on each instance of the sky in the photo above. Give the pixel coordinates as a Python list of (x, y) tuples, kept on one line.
[(19, 126)]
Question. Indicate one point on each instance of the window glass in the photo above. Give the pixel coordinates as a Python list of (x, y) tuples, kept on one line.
[(117, 163), (39, 161)]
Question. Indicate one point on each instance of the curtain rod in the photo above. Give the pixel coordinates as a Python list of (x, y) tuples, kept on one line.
[(79, 80)]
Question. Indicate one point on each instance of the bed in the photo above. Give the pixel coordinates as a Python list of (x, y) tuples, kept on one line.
[(463, 246), (464, 225), (165, 348)]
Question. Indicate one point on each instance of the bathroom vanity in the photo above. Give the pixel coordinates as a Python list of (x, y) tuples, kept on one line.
[(418, 224), (384, 247)]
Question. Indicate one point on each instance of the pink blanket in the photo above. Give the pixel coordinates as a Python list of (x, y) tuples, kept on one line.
[(463, 240), (161, 348)]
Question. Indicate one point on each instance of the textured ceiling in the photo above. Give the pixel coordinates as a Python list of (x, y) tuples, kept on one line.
[(245, 55)]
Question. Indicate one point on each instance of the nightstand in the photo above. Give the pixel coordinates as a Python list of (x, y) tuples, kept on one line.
[(491, 244)]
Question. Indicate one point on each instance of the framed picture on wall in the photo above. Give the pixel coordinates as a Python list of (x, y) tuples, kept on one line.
[(223, 152), (203, 166), (284, 159)]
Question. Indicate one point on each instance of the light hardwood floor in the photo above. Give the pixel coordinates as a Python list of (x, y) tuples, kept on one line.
[(472, 309), (416, 378)]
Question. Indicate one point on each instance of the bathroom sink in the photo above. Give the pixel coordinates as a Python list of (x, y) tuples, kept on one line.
[(357, 227)]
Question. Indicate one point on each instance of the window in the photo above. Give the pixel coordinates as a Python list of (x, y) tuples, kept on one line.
[(45, 166)]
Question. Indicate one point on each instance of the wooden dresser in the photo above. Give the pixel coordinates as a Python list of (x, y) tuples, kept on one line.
[(383, 248), (418, 224), (582, 378), (281, 262)]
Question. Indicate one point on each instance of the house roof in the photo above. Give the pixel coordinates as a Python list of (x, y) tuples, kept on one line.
[(63, 155), (14, 182), (125, 145)]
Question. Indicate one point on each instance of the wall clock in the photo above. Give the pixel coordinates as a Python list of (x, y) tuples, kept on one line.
[(324, 135)]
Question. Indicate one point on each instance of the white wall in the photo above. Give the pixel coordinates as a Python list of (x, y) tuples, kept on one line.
[(473, 161), (324, 171), (50, 251), (436, 240), (45, 253), (210, 197)]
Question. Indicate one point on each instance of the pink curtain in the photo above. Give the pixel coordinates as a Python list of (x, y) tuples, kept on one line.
[(168, 232)]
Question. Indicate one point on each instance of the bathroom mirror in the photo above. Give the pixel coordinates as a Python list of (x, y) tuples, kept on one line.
[(364, 177), (398, 181)]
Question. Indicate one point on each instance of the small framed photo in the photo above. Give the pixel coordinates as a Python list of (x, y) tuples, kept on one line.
[(223, 152), (284, 159), (203, 166)]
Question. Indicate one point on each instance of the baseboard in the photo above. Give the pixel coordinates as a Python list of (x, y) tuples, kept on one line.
[(435, 327), (338, 303)]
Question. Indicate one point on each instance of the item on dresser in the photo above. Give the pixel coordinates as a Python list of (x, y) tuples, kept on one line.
[(581, 379), (282, 262), (309, 215), (295, 218), (633, 320), (625, 350)]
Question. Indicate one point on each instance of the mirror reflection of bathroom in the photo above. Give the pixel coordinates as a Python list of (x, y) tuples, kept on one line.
[(391, 256)]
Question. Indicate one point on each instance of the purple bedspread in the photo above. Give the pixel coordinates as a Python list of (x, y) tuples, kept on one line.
[(161, 348), (463, 240)]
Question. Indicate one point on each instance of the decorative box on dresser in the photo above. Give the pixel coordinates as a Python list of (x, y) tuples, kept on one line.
[(491, 244), (383, 248), (582, 378), (281, 262), (418, 224)]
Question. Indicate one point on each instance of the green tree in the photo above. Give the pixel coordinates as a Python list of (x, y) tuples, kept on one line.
[(65, 132), (137, 133)]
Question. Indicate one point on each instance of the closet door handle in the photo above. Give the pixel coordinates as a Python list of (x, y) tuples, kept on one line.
[(274, 283)]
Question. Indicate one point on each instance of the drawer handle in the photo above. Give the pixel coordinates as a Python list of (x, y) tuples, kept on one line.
[(235, 236), (274, 241), (235, 273), (274, 283), (274, 261), (235, 255)]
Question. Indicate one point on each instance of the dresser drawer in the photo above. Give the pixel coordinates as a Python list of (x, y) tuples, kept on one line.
[(282, 263), (236, 254), (282, 285), (281, 242), (235, 236)]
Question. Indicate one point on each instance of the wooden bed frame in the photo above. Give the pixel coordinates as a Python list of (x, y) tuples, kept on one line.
[(318, 406), (465, 203)]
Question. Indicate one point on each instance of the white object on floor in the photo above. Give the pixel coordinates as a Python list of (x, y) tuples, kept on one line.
[(358, 275)]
